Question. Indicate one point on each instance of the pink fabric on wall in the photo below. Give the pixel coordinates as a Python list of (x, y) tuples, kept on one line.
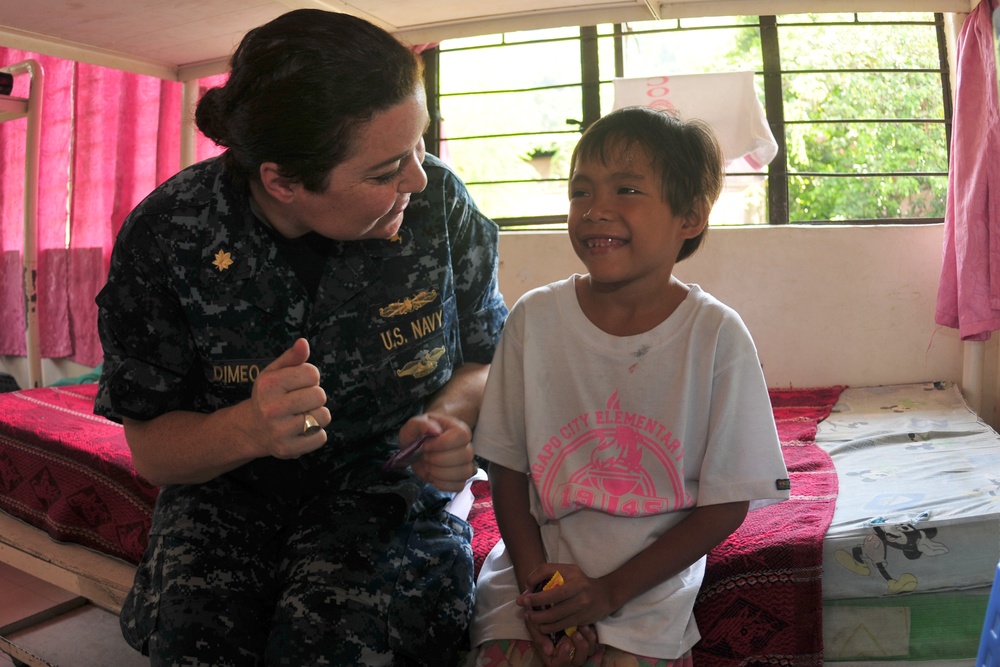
[(11, 300), (205, 147), (12, 150), (53, 303), (125, 141), (122, 133), (969, 292), (168, 157), (52, 202)]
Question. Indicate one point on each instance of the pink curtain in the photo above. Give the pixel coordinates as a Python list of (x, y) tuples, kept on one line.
[(108, 138), (969, 292), (52, 202)]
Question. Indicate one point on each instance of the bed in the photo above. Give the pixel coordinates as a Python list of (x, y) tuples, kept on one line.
[(74, 511), (867, 465), (913, 545)]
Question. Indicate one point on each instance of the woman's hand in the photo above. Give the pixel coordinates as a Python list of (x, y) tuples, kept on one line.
[(446, 458), (286, 391), (449, 416), (184, 447)]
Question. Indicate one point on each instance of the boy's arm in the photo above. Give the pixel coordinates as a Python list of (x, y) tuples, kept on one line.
[(581, 600), (518, 527), (523, 541), (693, 537)]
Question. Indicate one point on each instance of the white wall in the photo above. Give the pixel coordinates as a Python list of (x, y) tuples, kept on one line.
[(826, 305), (52, 369)]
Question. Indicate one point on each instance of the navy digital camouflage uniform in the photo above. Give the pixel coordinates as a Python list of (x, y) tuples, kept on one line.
[(325, 559)]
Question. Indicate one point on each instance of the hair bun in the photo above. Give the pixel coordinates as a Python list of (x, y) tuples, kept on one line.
[(210, 116)]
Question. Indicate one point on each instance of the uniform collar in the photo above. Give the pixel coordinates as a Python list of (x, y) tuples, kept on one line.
[(238, 250)]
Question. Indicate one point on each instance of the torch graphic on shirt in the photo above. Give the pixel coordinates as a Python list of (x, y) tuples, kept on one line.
[(634, 467)]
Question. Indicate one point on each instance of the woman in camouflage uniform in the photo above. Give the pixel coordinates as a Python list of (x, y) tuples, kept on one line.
[(276, 322)]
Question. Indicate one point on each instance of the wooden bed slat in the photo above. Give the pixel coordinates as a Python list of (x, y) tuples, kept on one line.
[(101, 579)]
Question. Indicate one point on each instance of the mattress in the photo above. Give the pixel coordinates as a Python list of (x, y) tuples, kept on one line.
[(69, 472), (913, 545)]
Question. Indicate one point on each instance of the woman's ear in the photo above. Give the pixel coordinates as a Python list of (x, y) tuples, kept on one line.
[(277, 186)]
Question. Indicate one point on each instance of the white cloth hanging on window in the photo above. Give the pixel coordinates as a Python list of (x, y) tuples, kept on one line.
[(725, 100)]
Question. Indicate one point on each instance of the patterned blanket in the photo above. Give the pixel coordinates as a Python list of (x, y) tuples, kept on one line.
[(69, 472), (761, 601)]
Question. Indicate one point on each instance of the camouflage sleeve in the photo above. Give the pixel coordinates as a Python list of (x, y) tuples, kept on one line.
[(147, 345), (474, 237)]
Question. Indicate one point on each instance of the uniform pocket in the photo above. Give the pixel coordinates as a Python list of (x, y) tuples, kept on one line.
[(419, 361), (431, 606)]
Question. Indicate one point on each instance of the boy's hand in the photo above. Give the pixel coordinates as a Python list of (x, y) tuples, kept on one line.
[(570, 650), (580, 601), (548, 612)]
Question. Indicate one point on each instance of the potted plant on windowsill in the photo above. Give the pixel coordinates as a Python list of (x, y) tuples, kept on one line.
[(540, 158)]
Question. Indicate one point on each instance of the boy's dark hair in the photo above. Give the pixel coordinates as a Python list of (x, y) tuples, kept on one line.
[(299, 86), (685, 154)]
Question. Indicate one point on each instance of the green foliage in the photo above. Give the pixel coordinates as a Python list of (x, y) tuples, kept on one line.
[(858, 140), (863, 105)]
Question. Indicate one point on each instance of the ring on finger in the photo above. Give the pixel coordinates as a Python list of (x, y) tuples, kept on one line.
[(309, 424)]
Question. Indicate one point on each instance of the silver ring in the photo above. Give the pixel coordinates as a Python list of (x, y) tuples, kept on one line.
[(309, 424)]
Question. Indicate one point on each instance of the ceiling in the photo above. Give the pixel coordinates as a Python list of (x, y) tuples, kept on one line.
[(186, 39)]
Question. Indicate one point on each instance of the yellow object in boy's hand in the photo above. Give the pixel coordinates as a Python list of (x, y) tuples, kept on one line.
[(555, 580)]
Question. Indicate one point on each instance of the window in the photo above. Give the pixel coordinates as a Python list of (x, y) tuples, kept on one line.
[(859, 105)]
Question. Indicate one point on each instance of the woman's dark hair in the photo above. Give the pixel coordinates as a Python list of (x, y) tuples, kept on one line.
[(299, 87), (685, 154)]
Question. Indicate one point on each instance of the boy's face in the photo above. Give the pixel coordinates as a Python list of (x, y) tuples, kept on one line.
[(619, 223)]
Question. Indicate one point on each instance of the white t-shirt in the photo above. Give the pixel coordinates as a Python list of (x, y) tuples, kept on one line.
[(621, 437)]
